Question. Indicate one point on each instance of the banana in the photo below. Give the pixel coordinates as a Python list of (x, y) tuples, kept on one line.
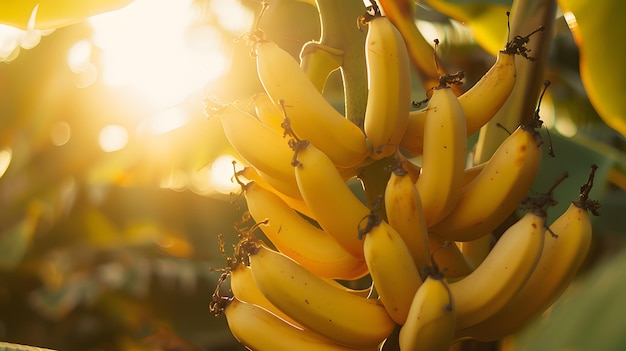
[(311, 116), (244, 288), (402, 15), (476, 251), (296, 203), (259, 145), (480, 103), (391, 267), (565, 248), (335, 207), (449, 259), (443, 161), (389, 82), (432, 318), (259, 329), (346, 318), (268, 113), (299, 239), (504, 271), (406, 215), (497, 191), (319, 61)]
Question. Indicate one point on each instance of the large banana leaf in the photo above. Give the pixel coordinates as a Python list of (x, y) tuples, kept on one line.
[(595, 25), (52, 14)]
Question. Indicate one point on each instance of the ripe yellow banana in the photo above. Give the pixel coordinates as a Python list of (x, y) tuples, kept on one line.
[(268, 113), (260, 146), (476, 251), (480, 103), (389, 82), (401, 13), (346, 318), (432, 318), (296, 203), (406, 215), (449, 259), (497, 191), (504, 271), (299, 239), (443, 161), (391, 266), (258, 329), (565, 248), (319, 61), (244, 288), (333, 204), (311, 116)]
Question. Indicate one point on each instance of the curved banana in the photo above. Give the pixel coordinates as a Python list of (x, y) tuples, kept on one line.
[(389, 82), (245, 289), (268, 113), (259, 145), (449, 259), (432, 318), (335, 207), (504, 271), (258, 329), (391, 266), (311, 116), (476, 251), (299, 239), (346, 318), (564, 251), (296, 203), (319, 61), (406, 215), (480, 103), (497, 191), (443, 161)]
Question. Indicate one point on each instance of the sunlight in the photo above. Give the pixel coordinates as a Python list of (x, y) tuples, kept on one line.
[(5, 160), (113, 138), (222, 174), (147, 47)]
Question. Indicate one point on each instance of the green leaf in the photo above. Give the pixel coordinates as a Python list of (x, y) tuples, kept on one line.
[(52, 14), (594, 25), (486, 19), (589, 316)]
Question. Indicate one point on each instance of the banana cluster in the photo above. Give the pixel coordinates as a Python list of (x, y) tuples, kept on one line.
[(424, 248)]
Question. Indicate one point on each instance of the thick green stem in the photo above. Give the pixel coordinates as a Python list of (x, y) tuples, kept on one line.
[(527, 16), (338, 21)]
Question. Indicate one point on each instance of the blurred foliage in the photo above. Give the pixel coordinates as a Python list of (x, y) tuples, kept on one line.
[(110, 251)]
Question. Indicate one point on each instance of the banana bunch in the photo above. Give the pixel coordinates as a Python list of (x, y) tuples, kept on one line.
[(415, 266)]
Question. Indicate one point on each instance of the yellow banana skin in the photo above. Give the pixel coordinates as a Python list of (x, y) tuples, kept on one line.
[(432, 318), (406, 215), (449, 258), (335, 207), (389, 95), (319, 61), (311, 116), (391, 266), (268, 113), (497, 191), (299, 239), (558, 264), (259, 145), (259, 329), (336, 314), (480, 103), (244, 288), (443, 161), (501, 275)]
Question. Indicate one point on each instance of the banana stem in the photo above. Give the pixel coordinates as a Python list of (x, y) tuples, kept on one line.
[(526, 16), (339, 30)]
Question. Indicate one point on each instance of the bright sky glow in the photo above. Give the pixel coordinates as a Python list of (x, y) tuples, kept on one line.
[(113, 138), (222, 174), (147, 46)]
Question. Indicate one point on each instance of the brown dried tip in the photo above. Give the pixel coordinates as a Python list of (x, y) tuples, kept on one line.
[(583, 198)]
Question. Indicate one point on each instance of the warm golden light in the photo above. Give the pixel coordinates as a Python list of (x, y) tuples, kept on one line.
[(113, 138), (5, 160), (222, 174), (60, 133), (146, 46)]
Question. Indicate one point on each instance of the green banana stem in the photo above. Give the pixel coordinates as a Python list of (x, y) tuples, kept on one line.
[(339, 30), (527, 16)]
